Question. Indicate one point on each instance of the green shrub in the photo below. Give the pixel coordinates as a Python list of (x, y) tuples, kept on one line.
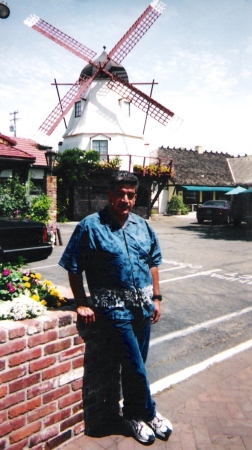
[(39, 208), (176, 205)]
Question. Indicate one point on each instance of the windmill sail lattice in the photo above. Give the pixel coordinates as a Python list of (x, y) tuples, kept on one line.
[(118, 53), (136, 32)]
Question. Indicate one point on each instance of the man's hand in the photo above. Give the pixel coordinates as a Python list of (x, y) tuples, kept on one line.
[(86, 313), (157, 312)]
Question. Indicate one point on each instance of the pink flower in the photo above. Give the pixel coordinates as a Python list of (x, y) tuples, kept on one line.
[(6, 272), (11, 288)]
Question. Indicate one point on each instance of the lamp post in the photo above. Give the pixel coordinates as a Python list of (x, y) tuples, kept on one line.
[(50, 156), (4, 10)]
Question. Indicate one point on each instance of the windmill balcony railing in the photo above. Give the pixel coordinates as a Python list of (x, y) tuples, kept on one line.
[(143, 165)]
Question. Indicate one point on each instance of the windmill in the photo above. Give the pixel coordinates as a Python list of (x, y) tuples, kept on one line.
[(101, 68)]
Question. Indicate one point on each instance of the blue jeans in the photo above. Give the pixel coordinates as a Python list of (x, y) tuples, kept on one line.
[(129, 341)]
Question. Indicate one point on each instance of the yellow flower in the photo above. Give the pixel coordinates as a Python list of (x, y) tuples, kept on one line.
[(38, 276), (43, 302), (35, 297), (28, 285), (32, 275), (25, 278), (48, 283)]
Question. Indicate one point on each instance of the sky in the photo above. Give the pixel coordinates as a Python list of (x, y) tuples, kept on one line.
[(198, 51)]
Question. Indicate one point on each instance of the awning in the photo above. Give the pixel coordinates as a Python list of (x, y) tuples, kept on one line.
[(208, 188), (236, 191)]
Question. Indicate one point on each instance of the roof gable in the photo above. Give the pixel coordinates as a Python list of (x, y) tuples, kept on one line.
[(241, 169)]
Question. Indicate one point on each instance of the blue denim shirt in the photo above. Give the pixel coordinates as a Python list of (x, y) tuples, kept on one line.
[(116, 261)]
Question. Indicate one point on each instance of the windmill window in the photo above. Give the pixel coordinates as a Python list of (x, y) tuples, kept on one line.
[(125, 107), (78, 109), (101, 146)]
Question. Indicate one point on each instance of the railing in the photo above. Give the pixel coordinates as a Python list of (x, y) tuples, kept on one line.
[(129, 161)]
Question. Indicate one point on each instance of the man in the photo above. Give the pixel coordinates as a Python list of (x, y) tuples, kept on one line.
[(120, 255)]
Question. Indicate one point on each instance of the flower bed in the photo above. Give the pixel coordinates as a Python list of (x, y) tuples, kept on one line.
[(24, 295)]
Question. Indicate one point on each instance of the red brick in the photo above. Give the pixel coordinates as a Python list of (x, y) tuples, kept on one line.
[(50, 322), (18, 331), (78, 340), (72, 352), (3, 416), (71, 421), (77, 407), (38, 447), (3, 391), (12, 347), (42, 363), (27, 355), (68, 331), (41, 388), (19, 445), (79, 428), (70, 399), (11, 425), (33, 326), (42, 338), (57, 417), (26, 431), (12, 374), (3, 335), (44, 435), (3, 444), (41, 412), (65, 320), (58, 346), (56, 393), (24, 382), (10, 400), (77, 384), (56, 371), (78, 362), (24, 407), (56, 442), (2, 365)]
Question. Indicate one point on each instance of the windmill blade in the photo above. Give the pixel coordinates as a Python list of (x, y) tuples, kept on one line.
[(52, 121), (136, 32), (140, 99), (59, 37)]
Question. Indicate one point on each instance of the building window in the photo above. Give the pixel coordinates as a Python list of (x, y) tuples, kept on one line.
[(78, 109), (125, 107), (101, 147)]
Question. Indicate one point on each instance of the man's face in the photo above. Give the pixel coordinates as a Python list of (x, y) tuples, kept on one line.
[(122, 200)]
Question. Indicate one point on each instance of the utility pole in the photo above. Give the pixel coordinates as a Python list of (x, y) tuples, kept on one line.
[(14, 120)]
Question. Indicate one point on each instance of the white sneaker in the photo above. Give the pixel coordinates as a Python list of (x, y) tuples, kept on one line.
[(161, 426), (140, 431)]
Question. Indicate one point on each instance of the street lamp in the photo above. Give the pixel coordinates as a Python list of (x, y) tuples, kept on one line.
[(50, 156), (4, 10)]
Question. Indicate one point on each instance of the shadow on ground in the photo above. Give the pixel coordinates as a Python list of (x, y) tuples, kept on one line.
[(229, 232)]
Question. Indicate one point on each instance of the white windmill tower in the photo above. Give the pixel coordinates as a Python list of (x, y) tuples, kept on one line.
[(106, 105)]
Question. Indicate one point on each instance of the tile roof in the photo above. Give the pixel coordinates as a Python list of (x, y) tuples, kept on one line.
[(29, 146), (241, 169), (194, 168), (13, 147), (6, 151)]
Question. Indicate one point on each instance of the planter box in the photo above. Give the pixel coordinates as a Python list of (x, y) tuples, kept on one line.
[(41, 377)]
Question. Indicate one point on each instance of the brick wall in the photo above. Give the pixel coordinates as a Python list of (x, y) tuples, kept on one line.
[(51, 192), (41, 377)]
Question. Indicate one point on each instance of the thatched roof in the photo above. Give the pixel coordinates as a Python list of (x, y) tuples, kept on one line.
[(192, 167)]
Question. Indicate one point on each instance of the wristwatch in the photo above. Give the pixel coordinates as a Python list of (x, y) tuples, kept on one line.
[(157, 297)]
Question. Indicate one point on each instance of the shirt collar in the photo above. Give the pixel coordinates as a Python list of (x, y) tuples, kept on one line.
[(107, 218)]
